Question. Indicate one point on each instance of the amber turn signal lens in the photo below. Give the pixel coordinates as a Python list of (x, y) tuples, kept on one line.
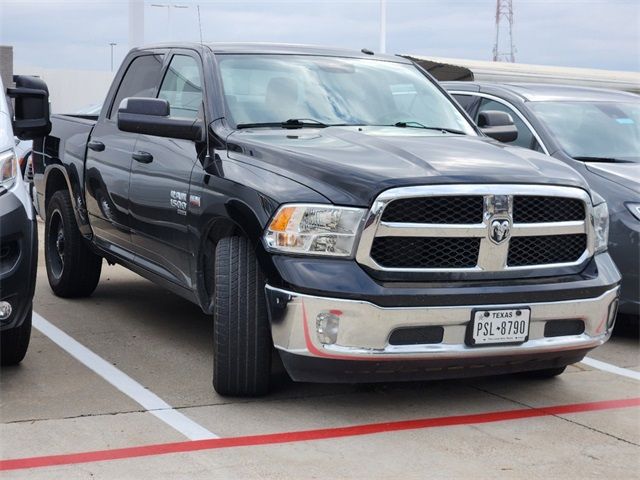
[(280, 222)]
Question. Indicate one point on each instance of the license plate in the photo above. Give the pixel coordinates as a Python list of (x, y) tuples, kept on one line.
[(499, 326)]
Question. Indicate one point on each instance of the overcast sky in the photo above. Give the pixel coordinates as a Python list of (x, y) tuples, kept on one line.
[(579, 33)]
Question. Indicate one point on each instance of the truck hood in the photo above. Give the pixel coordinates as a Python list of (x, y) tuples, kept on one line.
[(624, 174), (352, 165)]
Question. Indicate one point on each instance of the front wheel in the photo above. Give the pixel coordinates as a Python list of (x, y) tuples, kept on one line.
[(241, 332), (73, 270)]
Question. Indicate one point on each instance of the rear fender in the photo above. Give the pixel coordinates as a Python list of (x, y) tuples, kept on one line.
[(61, 177)]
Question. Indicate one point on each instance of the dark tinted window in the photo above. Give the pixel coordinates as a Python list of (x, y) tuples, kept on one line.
[(468, 102), (525, 137), (182, 87), (140, 80)]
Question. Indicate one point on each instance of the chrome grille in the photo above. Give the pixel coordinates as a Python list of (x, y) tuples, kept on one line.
[(453, 209), (524, 251), (479, 229), (536, 209), (426, 252)]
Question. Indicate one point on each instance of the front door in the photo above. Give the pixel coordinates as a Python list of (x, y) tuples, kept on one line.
[(109, 159), (160, 179)]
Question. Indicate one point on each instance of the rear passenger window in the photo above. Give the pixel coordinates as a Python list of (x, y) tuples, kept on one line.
[(140, 80), (525, 136), (182, 87)]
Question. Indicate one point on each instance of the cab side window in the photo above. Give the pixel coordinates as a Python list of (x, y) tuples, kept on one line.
[(525, 136), (140, 80), (468, 102), (182, 87)]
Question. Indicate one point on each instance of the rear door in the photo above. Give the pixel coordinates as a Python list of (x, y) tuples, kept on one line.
[(159, 186), (109, 159)]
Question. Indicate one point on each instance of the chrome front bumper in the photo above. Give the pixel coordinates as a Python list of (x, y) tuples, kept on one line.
[(364, 328)]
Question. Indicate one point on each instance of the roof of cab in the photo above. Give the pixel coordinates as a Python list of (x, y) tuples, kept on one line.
[(280, 49), (538, 92)]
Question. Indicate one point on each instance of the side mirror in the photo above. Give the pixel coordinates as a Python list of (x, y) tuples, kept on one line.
[(150, 116), (498, 125), (31, 116)]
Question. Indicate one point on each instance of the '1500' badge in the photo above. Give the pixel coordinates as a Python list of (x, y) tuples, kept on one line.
[(178, 200)]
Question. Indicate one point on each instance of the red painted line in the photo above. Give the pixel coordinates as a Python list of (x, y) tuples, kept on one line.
[(307, 435)]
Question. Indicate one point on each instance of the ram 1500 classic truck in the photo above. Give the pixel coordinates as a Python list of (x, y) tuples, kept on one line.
[(335, 205)]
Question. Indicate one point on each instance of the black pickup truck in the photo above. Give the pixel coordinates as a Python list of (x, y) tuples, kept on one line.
[(335, 205)]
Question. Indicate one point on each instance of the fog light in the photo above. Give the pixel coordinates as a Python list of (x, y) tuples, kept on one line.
[(5, 310), (613, 313), (327, 326)]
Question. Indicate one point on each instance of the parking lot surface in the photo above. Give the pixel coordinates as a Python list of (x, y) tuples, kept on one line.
[(119, 386)]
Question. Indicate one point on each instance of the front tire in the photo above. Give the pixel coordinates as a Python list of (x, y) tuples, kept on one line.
[(14, 342), (73, 270), (241, 332)]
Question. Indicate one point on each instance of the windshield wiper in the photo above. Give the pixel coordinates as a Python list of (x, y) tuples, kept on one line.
[(599, 159), (291, 123), (412, 124)]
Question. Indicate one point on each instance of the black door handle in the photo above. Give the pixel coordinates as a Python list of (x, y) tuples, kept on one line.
[(96, 146), (142, 157)]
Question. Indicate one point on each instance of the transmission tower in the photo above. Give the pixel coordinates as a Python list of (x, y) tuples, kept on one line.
[(504, 14)]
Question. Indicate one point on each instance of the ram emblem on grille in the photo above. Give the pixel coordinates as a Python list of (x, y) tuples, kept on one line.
[(500, 230)]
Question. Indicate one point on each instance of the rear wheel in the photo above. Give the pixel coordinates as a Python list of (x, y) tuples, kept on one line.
[(15, 341), (72, 268), (241, 332)]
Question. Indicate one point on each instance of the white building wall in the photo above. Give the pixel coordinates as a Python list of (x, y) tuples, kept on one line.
[(71, 90)]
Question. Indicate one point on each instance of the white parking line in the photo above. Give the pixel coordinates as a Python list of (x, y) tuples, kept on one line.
[(127, 385), (607, 367)]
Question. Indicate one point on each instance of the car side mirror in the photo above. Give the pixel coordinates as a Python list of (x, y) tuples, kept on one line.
[(31, 113), (151, 116), (498, 125)]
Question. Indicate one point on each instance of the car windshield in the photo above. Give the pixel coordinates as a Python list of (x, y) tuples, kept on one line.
[(594, 130), (325, 91)]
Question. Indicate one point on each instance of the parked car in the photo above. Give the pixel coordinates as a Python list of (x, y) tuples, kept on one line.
[(18, 231), (595, 131), (335, 205)]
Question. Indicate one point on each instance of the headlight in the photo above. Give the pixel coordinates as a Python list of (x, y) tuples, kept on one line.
[(8, 169), (600, 219), (634, 208), (314, 229)]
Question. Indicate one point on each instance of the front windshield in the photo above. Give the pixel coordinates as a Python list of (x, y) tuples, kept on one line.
[(262, 89), (594, 130)]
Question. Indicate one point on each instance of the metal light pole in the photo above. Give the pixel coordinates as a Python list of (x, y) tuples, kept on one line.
[(136, 23), (112, 44), (383, 26), (168, 7)]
